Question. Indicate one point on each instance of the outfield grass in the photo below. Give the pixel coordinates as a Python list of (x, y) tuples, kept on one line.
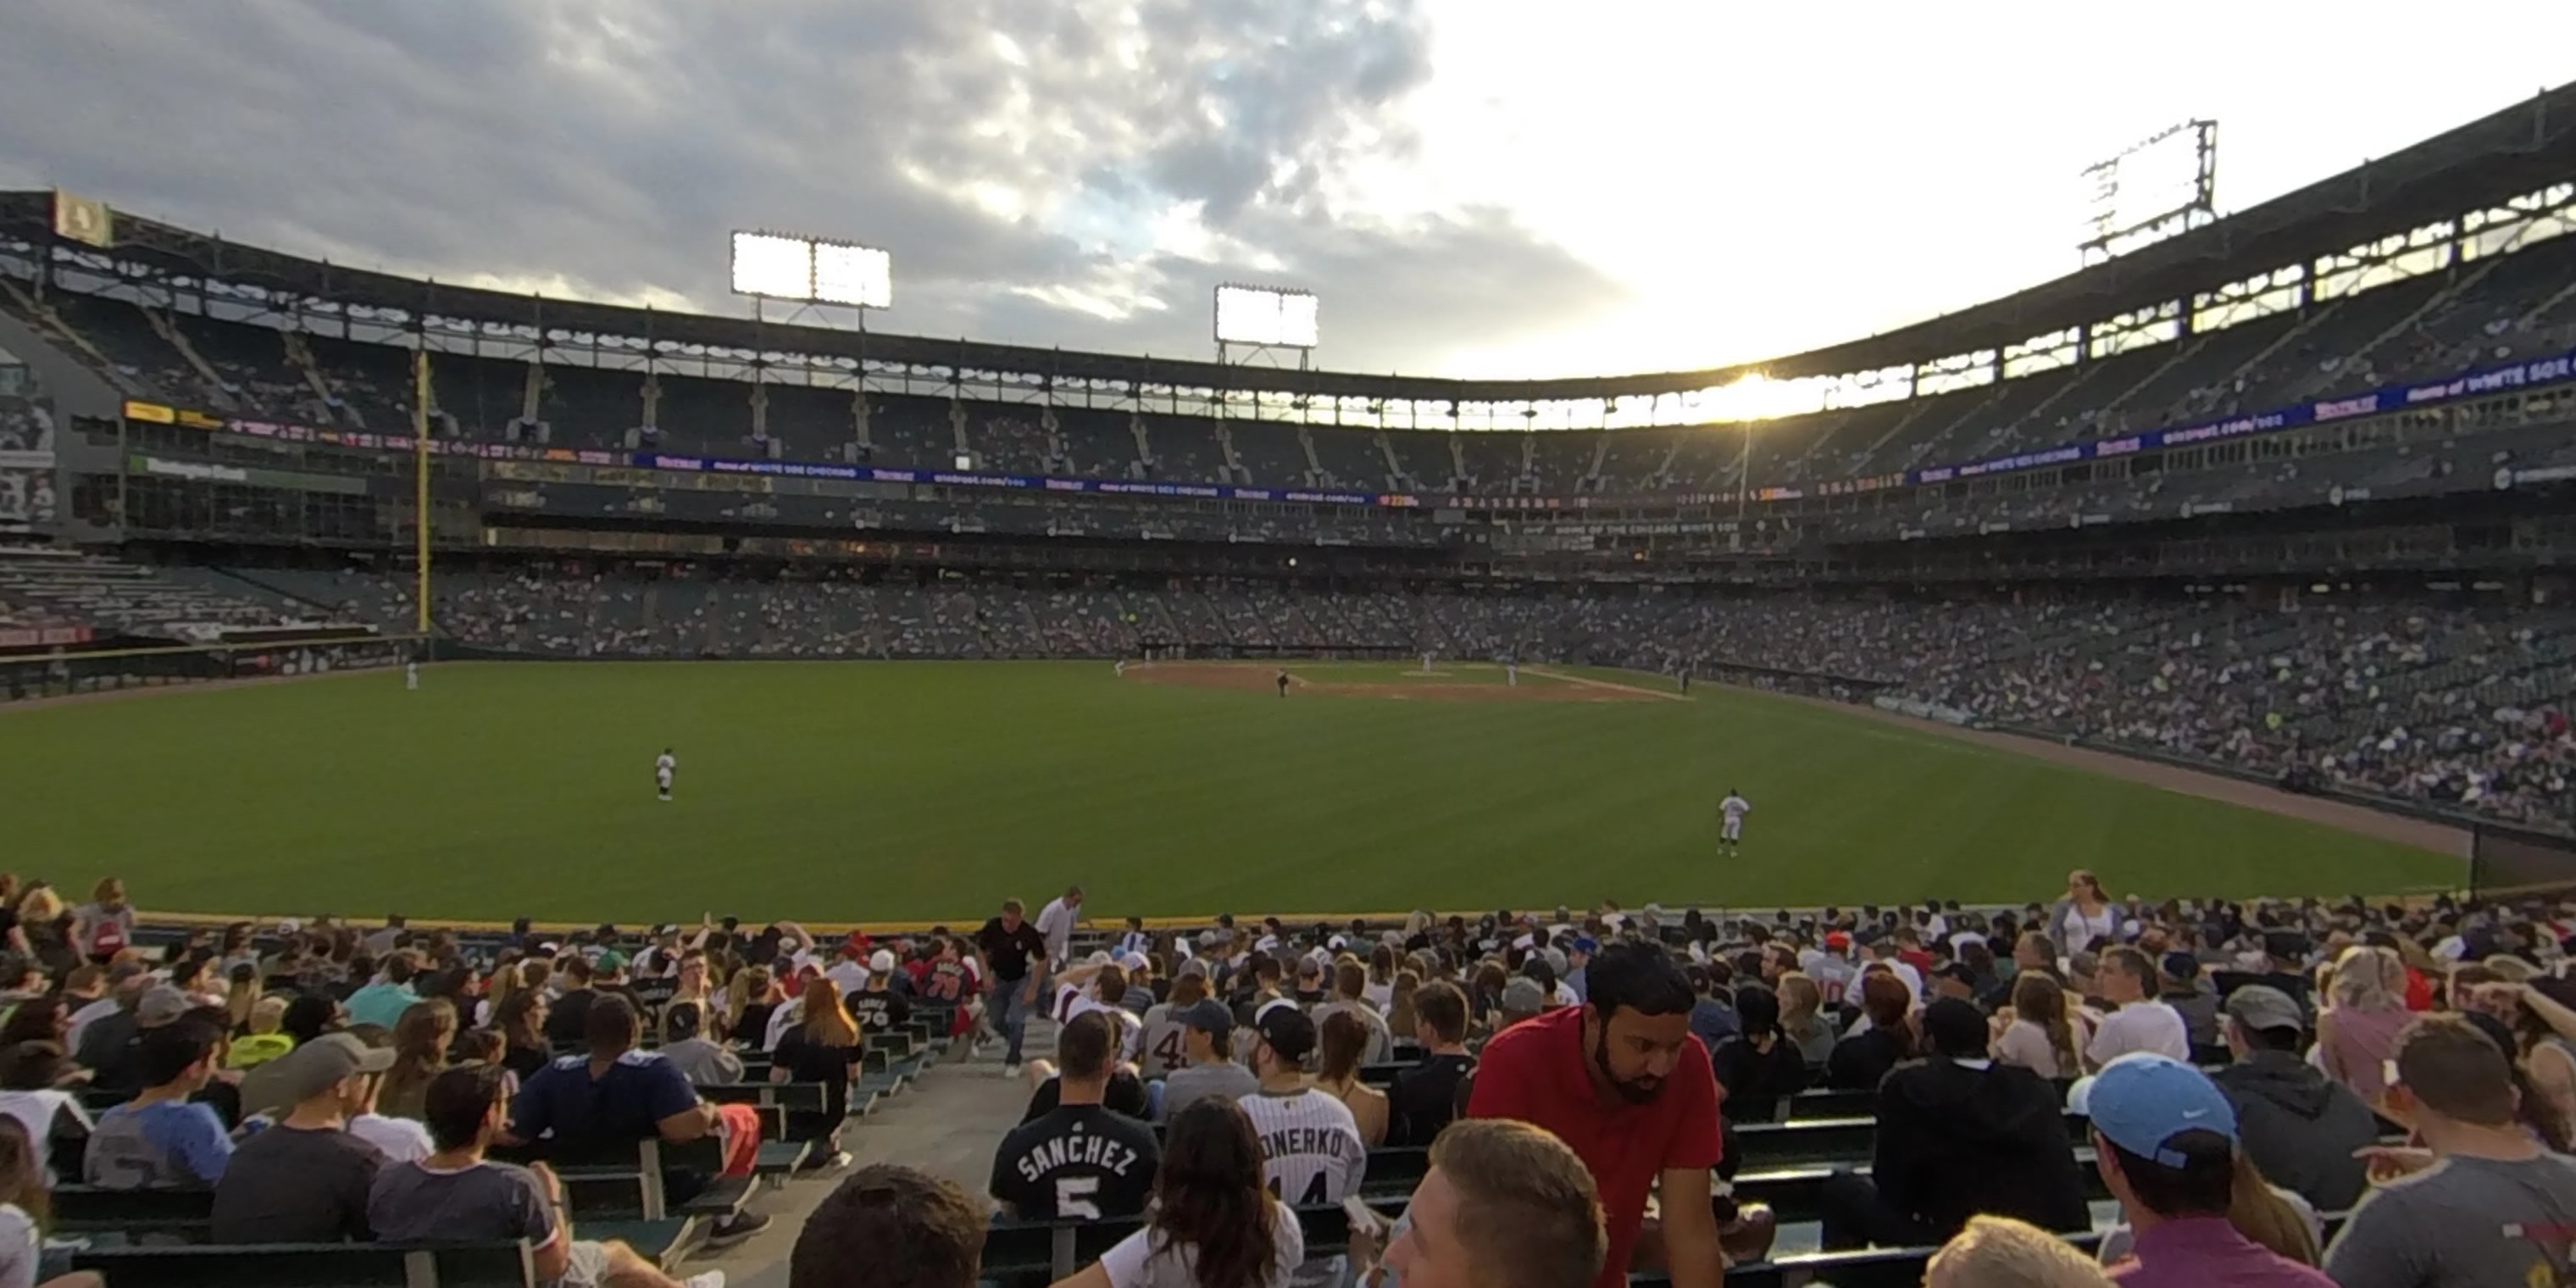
[(887, 791)]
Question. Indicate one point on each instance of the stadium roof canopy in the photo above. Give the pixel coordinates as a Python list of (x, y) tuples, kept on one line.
[(2484, 163)]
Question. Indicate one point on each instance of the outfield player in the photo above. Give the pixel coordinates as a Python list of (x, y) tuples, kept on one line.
[(1730, 833), (1283, 682), (664, 766), (1119, 668), (1512, 673), (411, 676)]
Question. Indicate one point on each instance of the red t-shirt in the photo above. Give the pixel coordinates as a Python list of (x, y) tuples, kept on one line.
[(2419, 991), (1537, 1071)]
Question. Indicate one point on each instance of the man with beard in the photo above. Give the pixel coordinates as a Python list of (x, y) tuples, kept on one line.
[(1621, 1081)]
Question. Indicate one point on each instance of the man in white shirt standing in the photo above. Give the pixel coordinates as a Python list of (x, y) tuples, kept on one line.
[(664, 766), (1730, 833), (2142, 1023), (1055, 923)]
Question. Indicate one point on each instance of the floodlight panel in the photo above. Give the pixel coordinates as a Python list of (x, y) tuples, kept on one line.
[(849, 274), (1261, 315), (772, 265), (1297, 319)]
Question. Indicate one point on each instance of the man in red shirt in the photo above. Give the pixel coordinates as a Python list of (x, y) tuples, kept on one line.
[(1620, 1081)]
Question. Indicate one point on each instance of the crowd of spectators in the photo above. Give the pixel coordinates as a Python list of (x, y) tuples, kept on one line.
[(2291, 1092)]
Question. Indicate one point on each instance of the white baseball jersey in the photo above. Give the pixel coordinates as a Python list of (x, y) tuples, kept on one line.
[(1735, 808), (1311, 1150), (664, 766), (1074, 999)]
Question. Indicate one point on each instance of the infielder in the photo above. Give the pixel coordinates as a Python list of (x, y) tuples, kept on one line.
[(1730, 834)]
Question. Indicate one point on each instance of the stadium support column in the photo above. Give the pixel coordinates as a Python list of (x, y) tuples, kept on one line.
[(420, 489)]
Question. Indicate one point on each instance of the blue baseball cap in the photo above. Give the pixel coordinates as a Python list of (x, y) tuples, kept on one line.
[(2140, 1102), (1586, 944)]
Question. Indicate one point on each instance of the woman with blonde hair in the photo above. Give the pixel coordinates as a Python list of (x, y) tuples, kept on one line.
[(2041, 1033), (1802, 1018), (1400, 1018), (749, 1001), (1380, 989), (421, 1039), (104, 926), (2365, 1008), (824, 1047), (1345, 1040)]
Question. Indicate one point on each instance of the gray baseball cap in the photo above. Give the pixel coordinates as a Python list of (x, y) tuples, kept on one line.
[(2261, 1006), (1522, 997)]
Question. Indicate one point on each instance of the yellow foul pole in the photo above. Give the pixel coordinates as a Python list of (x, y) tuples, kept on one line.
[(420, 489)]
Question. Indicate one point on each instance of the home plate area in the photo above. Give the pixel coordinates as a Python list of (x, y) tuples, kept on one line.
[(1396, 681)]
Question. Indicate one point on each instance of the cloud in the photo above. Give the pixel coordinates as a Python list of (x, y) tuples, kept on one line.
[(1077, 173)]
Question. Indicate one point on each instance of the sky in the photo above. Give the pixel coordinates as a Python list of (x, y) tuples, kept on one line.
[(1490, 188)]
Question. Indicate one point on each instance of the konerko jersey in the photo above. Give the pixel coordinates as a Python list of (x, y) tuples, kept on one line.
[(1167, 1042), (1311, 1150)]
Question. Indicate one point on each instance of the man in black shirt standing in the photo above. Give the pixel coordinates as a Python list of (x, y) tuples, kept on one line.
[(1080, 1159), (1283, 683), (1010, 943), (1425, 1098)]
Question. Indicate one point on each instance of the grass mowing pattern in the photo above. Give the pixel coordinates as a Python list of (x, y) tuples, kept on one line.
[(833, 792)]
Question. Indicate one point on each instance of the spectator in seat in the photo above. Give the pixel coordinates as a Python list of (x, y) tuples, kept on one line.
[(1504, 1204), (1080, 1158), (421, 1040), (1713, 1018), (306, 1177), (2302, 1129), (34, 1077), (2039, 1031), (1425, 1097), (1861, 1059), (1958, 1135), (1310, 1141), (567, 1017), (1350, 984), (384, 999), (2482, 1203), (1345, 1038), (2164, 1140), (686, 1045), (1621, 1081), (161, 1139), (1207, 1030), (2141, 1022), (1214, 1222), (2365, 1010), (456, 1195), (2181, 985), (615, 1094), (2000, 1252), (1803, 1019), (23, 1208), (1759, 1065), (521, 1018), (890, 1227)]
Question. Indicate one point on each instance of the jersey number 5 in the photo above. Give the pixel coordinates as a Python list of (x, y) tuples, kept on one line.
[(1073, 1197)]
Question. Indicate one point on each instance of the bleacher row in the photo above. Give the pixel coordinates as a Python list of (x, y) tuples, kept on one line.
[(2500, 307), (160, 1235)]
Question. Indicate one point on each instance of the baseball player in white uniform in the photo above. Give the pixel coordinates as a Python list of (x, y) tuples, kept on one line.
[(1730, 833), (664, 766)]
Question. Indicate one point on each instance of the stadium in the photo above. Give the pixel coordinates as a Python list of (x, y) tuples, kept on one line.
[(2229, 568)]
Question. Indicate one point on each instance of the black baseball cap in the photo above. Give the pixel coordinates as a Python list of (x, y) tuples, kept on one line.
[(1207, 1015), (1288, 1032)]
